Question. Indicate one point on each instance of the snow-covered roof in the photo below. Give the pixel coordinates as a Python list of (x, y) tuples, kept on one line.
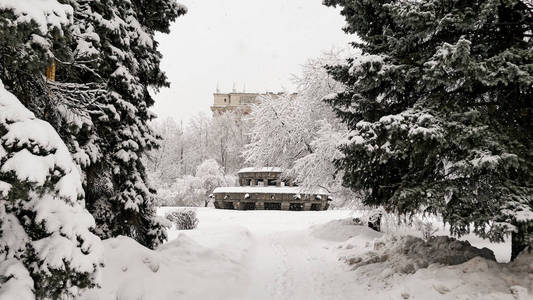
[(269, 190), (259, 170)]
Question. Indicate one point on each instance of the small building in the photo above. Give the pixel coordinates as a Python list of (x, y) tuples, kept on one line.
[(263, 188)]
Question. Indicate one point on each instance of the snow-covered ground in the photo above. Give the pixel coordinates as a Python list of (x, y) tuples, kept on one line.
[(299, 255)]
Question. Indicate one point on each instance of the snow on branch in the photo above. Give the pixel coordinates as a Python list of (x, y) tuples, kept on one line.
[(43, 186), (46, 13), (76, 101)]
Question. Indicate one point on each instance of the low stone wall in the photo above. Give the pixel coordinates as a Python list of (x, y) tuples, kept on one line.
[(261, 201)]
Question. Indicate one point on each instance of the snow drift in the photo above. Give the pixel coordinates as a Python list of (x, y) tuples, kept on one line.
[(408, 267), (407, 254), (342, 230), (179, 269), (304, 255)]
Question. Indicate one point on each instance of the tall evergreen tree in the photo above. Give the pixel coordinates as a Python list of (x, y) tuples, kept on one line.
[(113, 48), (47, 245), (440, 108), (106, 60)]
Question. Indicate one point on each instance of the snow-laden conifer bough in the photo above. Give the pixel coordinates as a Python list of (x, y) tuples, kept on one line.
[(45, 228), (438, 108)]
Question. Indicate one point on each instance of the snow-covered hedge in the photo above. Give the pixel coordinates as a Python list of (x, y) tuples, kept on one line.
[(184, 219), (45, 230)]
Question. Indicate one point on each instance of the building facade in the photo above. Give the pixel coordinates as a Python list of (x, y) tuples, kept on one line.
[(264, 189), (236, 101), (223, 102)]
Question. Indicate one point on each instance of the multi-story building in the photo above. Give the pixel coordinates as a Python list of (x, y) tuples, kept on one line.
[(237, 101), (223, 102)]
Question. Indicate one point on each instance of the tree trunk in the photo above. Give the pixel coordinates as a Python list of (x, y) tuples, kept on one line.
[(521, 239)]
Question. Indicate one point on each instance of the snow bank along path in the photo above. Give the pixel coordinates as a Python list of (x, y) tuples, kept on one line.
[(291, 255), (281, 261)]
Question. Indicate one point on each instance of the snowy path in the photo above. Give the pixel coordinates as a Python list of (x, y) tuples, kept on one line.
[(292, 265), (283, 260)]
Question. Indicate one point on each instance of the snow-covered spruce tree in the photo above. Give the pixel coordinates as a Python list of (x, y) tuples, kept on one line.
[(106, 59), (113, 48), (440, 108), (47, 249)]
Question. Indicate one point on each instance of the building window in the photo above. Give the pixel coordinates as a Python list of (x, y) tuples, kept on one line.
[(248, 205), (296, 206), (272, 206)]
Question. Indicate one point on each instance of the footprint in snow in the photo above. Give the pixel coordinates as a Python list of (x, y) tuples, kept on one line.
[(442, 289)]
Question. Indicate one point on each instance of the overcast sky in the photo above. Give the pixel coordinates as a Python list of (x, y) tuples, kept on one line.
[(254, 42)]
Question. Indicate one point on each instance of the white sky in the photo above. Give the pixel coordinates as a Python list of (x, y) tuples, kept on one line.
[(254, 42)]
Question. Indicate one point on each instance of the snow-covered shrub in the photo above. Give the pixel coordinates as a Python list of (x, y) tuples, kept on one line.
[(184, 219), (426, 228), (45, 230), (358, 221), (374, 220)]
